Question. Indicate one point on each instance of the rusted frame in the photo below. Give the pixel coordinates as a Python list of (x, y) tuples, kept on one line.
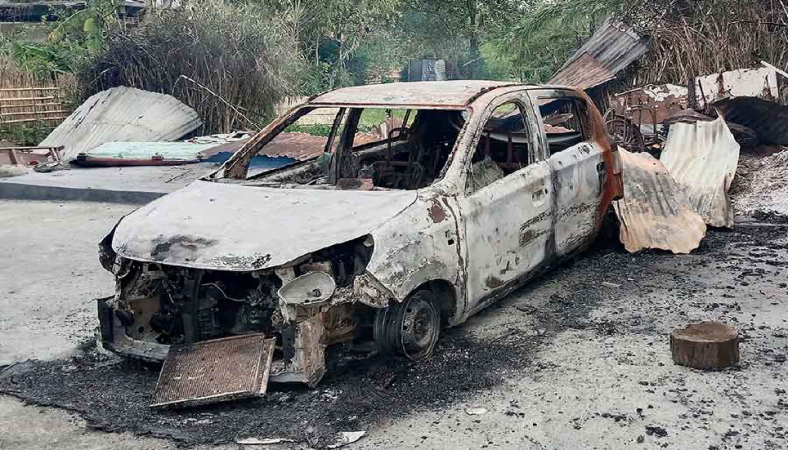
[(52, 152)]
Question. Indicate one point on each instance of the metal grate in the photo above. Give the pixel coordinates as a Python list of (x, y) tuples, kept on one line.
[(214, 371)]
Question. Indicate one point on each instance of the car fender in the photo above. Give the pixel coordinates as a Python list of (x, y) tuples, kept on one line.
[(419, 245)]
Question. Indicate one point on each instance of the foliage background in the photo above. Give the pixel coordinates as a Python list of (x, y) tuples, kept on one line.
[(232, 60)]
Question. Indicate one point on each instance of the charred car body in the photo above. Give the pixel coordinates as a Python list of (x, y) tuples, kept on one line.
[(479, 187)]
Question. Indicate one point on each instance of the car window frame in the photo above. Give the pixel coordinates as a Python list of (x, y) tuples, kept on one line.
[(584, 117), (527, 114)]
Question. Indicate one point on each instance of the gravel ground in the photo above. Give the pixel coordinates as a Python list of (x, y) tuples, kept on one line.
[(567, 362)]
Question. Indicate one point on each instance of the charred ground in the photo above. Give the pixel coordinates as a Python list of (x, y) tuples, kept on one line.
[(113, 394)]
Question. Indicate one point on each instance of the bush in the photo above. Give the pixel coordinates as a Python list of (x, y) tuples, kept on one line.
[(26, 135), (230, 62)]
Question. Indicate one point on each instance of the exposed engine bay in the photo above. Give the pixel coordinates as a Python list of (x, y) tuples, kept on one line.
[(305, 306)]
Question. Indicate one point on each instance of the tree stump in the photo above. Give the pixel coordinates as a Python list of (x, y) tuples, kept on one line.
[(706, 345)]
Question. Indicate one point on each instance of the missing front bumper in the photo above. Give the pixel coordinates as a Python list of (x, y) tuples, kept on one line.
[(302, 360)]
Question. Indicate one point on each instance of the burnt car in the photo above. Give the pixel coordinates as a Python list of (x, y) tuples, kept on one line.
[(466, 191)]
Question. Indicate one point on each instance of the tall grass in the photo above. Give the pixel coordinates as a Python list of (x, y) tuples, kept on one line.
[(231, 62)]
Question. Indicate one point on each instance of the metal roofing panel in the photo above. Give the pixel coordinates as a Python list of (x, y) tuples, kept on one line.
[(702, 157), (654, 212), (456, 93), (614, 46), (584, 73), (768, 119), (123, 114)]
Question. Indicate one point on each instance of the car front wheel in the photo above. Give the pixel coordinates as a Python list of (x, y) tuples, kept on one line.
[(410, 328)]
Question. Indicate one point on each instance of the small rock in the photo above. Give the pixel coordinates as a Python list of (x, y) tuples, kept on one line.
[(656, 431)]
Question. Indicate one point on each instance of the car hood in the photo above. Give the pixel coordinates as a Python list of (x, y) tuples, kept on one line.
[(217, 226)]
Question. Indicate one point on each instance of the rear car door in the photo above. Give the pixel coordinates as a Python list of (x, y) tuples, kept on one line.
[(577, 166), (506, 202)]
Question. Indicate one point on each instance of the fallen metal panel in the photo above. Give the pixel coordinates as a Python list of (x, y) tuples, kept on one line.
[(123, 114), (654, 213), (702, 158), (215, 371), (456, 93), (148, 150), (761, 82), (614, 46), (220, 226), (768, 119)]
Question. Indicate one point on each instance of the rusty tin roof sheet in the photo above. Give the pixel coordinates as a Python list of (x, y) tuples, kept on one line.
[(654, 212), (611, 49), (702, 157), (123, 114), (438, 94)]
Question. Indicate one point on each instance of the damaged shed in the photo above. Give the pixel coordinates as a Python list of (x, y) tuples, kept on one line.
[(603, 57)]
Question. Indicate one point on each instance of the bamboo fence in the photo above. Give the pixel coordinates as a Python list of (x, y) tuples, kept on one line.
[(26, 99)]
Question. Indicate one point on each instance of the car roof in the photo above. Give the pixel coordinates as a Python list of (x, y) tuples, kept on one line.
[(453, 94)]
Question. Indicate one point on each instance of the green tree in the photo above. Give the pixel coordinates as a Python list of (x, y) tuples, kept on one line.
[(456, 30)]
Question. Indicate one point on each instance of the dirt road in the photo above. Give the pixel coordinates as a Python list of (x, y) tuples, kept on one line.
[(568, 362)]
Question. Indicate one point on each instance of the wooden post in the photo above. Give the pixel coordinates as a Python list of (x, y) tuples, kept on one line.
[(706, 345)]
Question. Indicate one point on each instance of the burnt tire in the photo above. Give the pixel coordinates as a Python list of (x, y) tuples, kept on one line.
[(411, 328)]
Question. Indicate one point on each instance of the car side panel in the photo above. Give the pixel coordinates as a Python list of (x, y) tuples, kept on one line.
[(507, 228), (578, 181)]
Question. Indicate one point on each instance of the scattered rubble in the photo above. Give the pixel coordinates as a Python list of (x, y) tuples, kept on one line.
[(761, 185), (347, 437)]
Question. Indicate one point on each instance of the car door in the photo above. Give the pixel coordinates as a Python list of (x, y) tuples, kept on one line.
[(507, 201), (577, 166)]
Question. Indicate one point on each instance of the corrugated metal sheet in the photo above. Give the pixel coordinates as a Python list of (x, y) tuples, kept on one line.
[(123, 114), (611, 49), (585, 72), (702, 158), (768, 119), (297, 145), (654, 212), (446, 94)]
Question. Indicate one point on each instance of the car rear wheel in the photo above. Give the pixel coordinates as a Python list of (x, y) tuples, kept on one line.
[(410, 328)]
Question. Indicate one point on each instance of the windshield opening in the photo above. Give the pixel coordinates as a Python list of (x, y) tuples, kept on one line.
[(362, 148)]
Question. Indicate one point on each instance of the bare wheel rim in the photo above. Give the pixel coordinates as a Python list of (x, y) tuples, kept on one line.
[(419, 327)]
